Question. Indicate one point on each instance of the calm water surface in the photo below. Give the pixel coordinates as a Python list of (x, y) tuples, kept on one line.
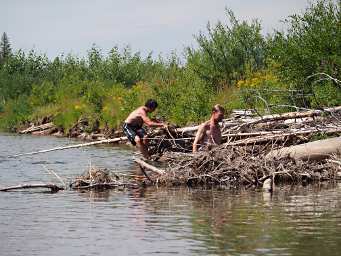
[(294, 221)]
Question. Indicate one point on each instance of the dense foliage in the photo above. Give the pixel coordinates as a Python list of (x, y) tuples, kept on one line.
[(234, 65)]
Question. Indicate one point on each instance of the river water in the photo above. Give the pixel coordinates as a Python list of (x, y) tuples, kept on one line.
[(293, 221)]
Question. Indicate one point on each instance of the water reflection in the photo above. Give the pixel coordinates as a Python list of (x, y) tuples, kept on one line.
[(292, 221)]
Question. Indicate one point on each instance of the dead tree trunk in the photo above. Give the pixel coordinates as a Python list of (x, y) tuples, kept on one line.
[(317, 150)]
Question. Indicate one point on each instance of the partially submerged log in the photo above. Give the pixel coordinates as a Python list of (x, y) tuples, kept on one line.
[(52, 187), (150, 167), (317, 150), (72, 146)]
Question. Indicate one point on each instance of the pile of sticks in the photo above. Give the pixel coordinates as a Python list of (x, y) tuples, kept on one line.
[(247, 166), (278, 130), (96, 178), (257, 149)]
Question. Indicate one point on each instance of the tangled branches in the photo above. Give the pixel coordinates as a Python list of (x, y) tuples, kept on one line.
[(246, 166), (96, 178)]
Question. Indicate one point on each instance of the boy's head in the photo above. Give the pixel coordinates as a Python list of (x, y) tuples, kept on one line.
[(151, 105), (218, 113)]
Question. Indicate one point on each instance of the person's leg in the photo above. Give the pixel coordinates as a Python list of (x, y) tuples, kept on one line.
[(142, 147)]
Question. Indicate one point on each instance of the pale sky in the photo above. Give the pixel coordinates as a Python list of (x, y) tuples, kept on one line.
[(72, 26)]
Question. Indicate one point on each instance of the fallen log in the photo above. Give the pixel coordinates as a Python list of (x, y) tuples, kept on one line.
[(281, 136), (317, 150), (149, 167), (53, 187), (72, 146), (38, 128), (291, 115), (45, 132)]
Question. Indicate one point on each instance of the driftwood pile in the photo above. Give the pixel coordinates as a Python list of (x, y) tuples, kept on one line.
[(96, 178), (92, 179), (256, 150), (246, 165), (259, 149)]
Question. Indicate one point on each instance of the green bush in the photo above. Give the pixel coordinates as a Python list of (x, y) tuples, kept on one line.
[(15, 112), (225, 53), (311, 45)]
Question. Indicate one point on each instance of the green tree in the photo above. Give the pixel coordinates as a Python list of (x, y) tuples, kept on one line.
[(311, 45), (5, 48), (228, 51)]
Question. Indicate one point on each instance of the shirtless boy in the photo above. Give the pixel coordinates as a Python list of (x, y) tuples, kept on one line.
[(209, 132), (132, 126)]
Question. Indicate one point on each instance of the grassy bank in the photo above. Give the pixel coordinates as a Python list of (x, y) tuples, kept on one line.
[(234, 65)]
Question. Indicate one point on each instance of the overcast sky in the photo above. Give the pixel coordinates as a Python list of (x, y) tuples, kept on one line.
[(72, 26)]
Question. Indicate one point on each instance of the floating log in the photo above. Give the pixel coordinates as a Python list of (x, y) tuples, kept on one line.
[(72, 146), (317, 150), (53, 187)]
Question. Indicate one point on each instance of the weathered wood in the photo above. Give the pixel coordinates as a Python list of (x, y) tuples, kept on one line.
[(150, 167), (53, 187), (72, 146), (316, 150), (37, 128), (44, 132), (281, 136), (292, 115)]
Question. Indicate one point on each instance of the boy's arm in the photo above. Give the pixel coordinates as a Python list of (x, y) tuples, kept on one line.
[(149, 122), (198, 137)]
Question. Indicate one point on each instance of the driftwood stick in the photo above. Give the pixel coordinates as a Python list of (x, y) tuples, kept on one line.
[(145, 174), (292, 115), (55, 174), (53, 187), (150, 167), (72, 146), (261, 139)]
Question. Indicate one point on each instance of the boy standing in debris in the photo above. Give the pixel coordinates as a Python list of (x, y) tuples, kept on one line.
[(209, 133), (132, 126)]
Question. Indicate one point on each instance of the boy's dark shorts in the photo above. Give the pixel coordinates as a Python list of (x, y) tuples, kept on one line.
[(131, 131)]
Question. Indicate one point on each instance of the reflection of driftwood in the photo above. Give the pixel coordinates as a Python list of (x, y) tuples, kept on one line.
[(38, 128), (149, 167), (53, 187), (73, 146), (103, 185), (316, 150)]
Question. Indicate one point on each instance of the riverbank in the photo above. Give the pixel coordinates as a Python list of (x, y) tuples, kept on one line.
[(257, 151)]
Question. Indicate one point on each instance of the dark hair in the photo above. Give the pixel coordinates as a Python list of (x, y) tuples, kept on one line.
[(218, 108), (151, 104)]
